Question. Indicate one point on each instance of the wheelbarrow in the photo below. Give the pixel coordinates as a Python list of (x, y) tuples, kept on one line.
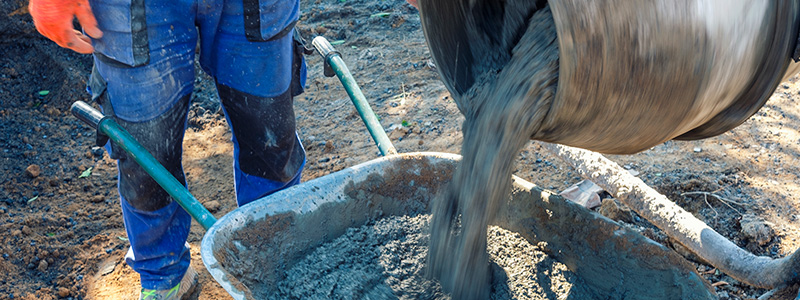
[(248, 250)]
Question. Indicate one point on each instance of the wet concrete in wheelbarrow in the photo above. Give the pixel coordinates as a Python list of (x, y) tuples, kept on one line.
[(386, 260), (548, 247)]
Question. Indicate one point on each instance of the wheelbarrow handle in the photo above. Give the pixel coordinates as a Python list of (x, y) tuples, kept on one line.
[(164, 178), (335, 65), (84, 112)]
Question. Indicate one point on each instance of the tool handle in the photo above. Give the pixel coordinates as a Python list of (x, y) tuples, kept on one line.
[(334, 61), (141, 156), (86, 113), (323, 46)]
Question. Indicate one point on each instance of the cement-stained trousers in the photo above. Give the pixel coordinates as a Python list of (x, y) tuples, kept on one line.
[(143, 77)]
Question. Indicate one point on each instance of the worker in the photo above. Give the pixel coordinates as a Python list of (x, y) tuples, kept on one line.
[(143, 76)]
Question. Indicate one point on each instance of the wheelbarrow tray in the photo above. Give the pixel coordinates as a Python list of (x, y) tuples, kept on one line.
[(252, 246)]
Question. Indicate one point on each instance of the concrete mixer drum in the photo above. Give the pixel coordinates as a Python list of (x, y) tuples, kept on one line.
[(632, 74)]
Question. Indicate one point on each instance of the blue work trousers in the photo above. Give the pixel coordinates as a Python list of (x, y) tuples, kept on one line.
[(143, 77)]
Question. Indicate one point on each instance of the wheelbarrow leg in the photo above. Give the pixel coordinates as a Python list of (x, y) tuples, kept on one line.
[(758, 271)]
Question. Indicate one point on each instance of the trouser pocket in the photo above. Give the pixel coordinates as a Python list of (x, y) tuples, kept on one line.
[(269, 20), (124, 26)]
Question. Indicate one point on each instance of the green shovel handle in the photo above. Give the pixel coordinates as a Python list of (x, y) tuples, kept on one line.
[(122, 138), (334, 60)]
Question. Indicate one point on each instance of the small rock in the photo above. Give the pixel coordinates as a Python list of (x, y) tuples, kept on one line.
[(615, 211), (585, 193), (421, 142), (26, 230), (16, 233), (63, 292), (97, 151), (697, 149), (329, 147), (53, 111), (756, 229), (53, 182), (398, 133), (213, 205), (723, 295), (97, 199), (42, 266), (107, 266), (33, 171), (701, 268), (429, 63)]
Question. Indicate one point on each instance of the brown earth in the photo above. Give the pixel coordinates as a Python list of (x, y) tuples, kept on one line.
[(61, 232)]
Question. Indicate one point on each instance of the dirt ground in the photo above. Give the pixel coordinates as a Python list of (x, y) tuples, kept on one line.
[(62, 234)]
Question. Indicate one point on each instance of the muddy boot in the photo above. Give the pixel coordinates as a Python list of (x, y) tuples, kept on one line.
[(180, 291)]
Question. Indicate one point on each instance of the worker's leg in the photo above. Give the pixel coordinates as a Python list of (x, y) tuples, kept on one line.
[(267, 153), (258, 73), (143, 77)]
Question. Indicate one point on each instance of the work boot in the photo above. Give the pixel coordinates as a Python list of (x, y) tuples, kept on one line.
[(179, 292)]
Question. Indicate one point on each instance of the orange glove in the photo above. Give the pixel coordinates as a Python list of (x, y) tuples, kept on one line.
[(53, 19)]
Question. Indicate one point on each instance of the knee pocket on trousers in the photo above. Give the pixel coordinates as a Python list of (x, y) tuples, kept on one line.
[(162, 137), (264, 129)]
